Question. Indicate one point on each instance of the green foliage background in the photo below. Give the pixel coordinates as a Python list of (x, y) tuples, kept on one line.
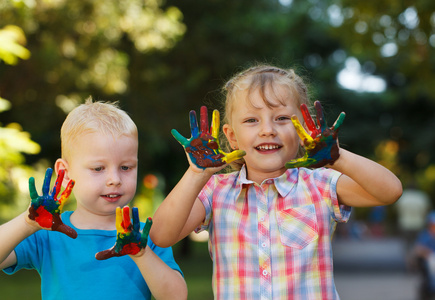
[(161, 59)]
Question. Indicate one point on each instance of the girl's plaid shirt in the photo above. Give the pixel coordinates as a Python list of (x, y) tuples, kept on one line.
[(273, 241)]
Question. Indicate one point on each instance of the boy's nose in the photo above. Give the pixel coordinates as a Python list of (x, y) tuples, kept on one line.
[(113, 179)]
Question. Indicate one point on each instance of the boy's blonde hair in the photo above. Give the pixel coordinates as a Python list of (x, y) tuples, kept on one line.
[(91, 117), (259, 78)]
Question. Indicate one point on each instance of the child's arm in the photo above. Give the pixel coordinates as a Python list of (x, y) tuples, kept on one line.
[(11, 234), (164, 282), (182, 212), (43, 213), (363, 183)]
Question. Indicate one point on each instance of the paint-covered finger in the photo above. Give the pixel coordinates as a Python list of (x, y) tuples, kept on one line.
[(135, 217), (308, 119), (126, 218), (146, 230), (215, 123), (58, 184), (119, 228), (47, 179), (320, 115), (339, 122), (193, 124), (300, 130), (233, 156), (65, 194), (204, 121), (181, 139), (32, 189)]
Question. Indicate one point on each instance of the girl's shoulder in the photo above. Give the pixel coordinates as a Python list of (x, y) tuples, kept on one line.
[(322, 172)]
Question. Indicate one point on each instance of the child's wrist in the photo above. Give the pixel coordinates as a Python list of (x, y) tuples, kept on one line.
[(340, 161), (30, 225), (199, 177)]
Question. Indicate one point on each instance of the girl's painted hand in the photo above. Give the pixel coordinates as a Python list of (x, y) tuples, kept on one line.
[(129, 239), (321, 147), (46, 209), (202, 147)]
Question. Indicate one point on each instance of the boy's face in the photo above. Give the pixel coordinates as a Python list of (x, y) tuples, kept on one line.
[(104, 169)]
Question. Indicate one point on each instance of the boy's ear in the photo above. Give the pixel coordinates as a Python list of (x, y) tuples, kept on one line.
[(62, 164), (231, 136)]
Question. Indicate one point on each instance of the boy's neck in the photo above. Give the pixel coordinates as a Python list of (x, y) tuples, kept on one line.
[(85, 220)]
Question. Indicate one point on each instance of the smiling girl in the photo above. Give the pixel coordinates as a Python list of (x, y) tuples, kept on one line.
[(271, 221)]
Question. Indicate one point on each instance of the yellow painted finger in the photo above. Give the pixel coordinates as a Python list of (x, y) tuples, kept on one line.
[(119, 227), (304, 136), (215, 124), (235, 155)]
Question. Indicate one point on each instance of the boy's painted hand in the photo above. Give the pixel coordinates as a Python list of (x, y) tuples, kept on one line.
[(321, 147), (203, 148), (46, 209), (129, 239)]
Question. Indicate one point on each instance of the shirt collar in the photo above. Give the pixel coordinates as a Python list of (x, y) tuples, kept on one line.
[(284, 183)]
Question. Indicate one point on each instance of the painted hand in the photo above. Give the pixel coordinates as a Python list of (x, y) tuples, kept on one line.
[(129, 239), (203, 148), (46, 209), (321, 147)]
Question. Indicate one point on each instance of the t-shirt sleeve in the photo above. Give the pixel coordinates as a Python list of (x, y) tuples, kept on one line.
[(27, 254)]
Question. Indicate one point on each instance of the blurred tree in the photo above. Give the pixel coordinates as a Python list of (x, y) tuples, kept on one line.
[(396, 40), (78, 49), (13, 141), (371, 59)]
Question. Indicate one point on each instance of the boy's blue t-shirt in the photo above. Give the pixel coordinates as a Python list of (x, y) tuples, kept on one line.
[(69, 269)]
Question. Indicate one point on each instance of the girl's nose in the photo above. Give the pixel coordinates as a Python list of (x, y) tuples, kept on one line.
[(267, 129)]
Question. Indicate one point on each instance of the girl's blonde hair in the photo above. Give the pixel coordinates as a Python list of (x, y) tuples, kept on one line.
[(261, 78), (91, 117)]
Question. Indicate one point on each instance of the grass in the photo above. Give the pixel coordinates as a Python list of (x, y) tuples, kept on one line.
[(24, 284), (197, 269)]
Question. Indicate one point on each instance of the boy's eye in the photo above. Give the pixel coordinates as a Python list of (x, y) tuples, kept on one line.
[(125, 168), (98, 169)]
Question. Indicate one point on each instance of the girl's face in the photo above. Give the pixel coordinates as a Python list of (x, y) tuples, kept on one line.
[(105, 172), (265, 133)]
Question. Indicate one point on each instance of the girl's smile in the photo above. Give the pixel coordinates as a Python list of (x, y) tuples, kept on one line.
[(268, 148)]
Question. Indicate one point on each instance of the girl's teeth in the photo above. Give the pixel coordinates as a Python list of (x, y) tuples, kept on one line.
[(268, 147)]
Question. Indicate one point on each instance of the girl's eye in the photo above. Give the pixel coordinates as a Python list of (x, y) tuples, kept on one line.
[(125, 168), (98, 169), (250, 121)]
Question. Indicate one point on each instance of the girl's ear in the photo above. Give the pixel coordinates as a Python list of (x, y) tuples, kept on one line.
[(231, 136), (62, 164)]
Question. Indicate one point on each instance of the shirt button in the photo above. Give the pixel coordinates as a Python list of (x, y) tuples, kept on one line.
[(269, 181), (262, 219), (264, 272), (263, 245)]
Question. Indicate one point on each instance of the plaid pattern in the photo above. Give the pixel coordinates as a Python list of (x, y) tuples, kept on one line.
[(273, 241)]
